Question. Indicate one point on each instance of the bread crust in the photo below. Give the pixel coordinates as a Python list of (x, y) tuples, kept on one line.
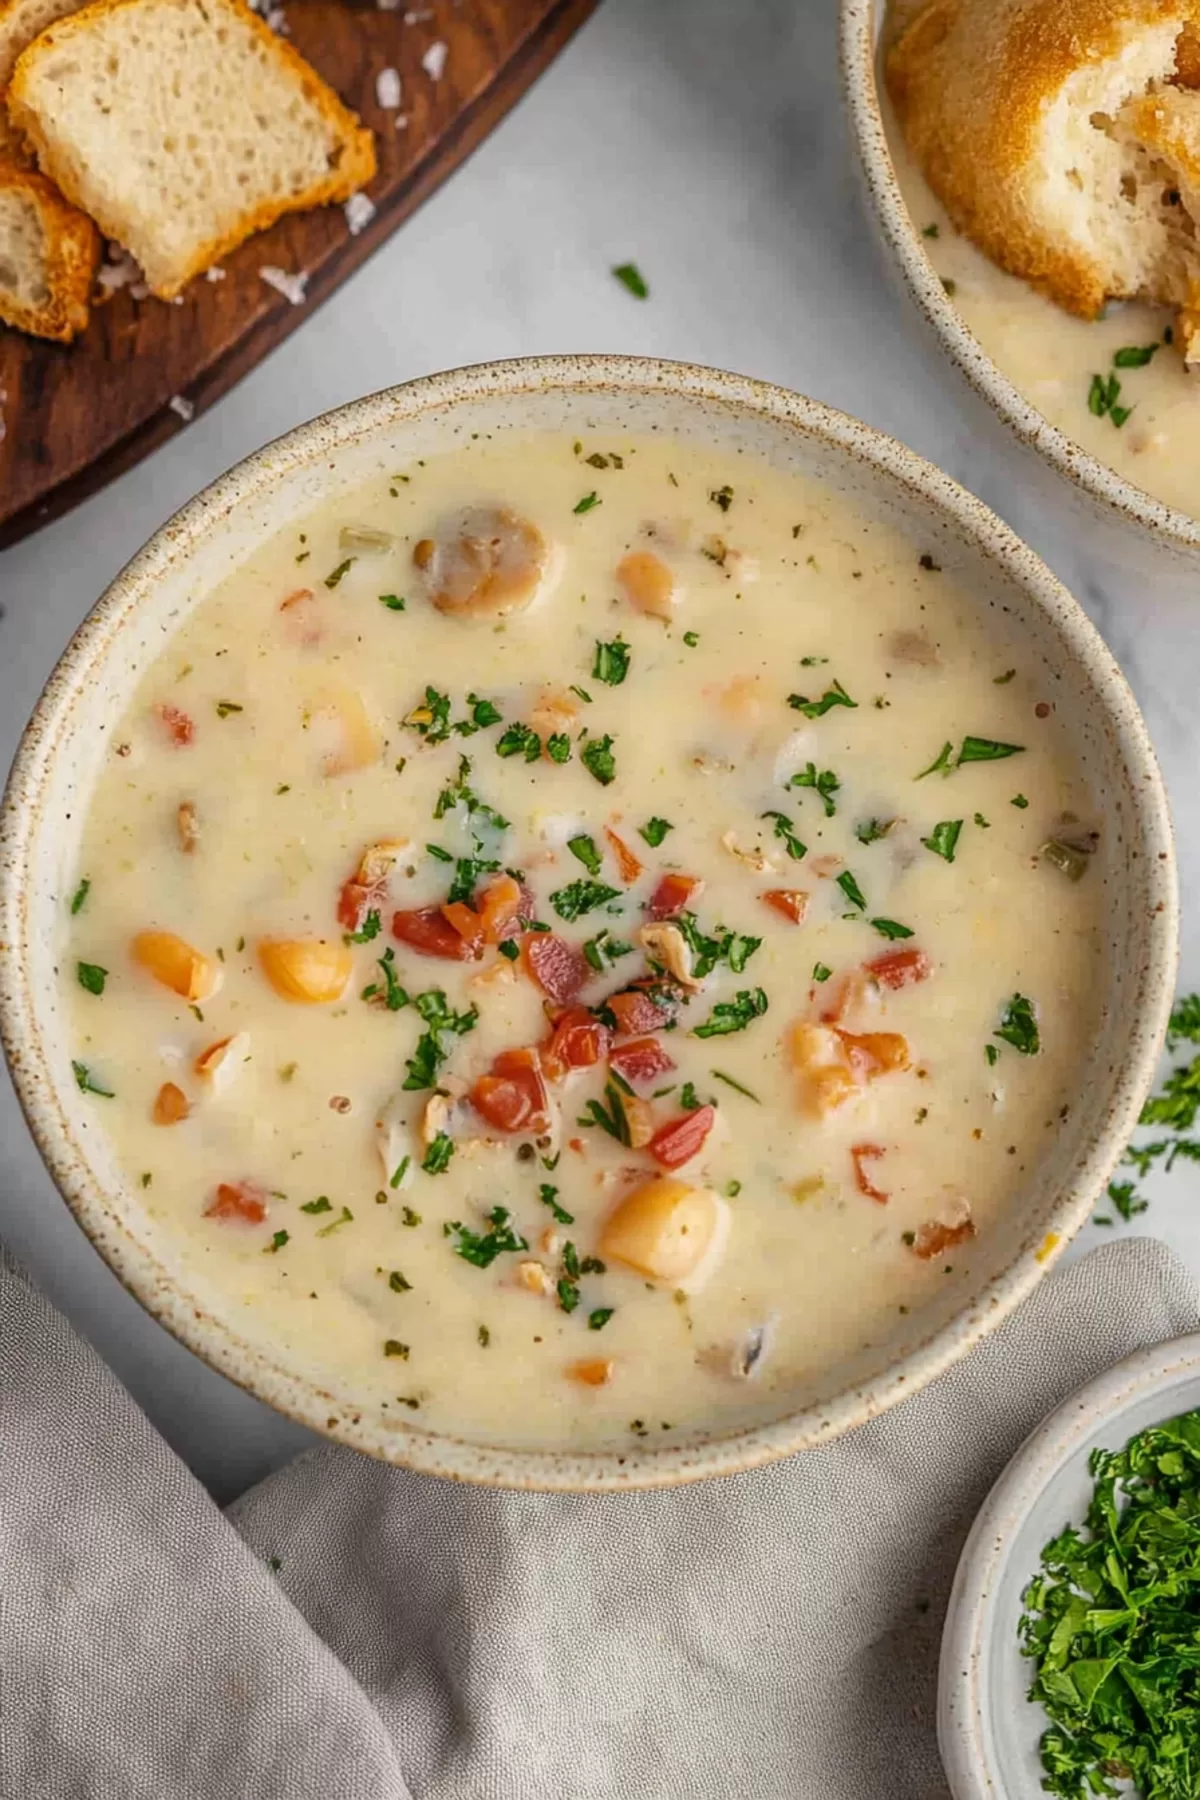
[(15, 34), (72, 255), (971, 80), (357, 165)]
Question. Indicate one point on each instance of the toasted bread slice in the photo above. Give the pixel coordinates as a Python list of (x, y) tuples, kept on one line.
[(20, 23), (182, 126), (48, 257), (1023, 115)]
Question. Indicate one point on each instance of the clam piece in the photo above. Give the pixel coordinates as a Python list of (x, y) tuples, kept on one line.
[(670, 1232), (648, 584), (482, 563), (173, 962), (666, 945), (187, 826), (219, 1064), (310, 971), (358, 743)]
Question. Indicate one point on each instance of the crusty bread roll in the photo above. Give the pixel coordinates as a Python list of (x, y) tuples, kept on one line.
[(48, 257), (1063, 138), (20, 23)]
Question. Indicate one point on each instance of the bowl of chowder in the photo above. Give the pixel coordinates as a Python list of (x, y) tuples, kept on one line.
[(1106, 401), (586, 923)]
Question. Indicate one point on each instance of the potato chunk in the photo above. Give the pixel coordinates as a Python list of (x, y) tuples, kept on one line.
[(311, 971), (187, 972), (669, 1232), (482, 563)]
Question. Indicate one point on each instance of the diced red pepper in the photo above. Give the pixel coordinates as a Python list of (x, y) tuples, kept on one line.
[(179, 725), (933, 1238), (860, 1156), (676, 1143), (673, 895), (791, 902), (499, 906), (512, 1097), (641, 1059), (637, 1010), (559, 968), (467, 923), (627, 863), (900, 968), (243, 1200), (578, 1042), (354, 903), (425, 930)]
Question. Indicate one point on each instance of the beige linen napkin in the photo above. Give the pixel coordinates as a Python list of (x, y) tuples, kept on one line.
[(768, 1637)]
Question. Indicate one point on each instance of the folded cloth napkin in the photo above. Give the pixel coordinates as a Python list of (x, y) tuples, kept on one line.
[(353, 1632)]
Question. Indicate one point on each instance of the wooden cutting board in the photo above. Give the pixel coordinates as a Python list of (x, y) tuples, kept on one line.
[(75, 416)]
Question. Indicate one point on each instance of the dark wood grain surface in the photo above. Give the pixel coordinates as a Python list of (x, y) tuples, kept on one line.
[(77, 416)]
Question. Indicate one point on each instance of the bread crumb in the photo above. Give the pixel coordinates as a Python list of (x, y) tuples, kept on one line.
[(118, 273), (417, 18), (359, 210), (216, 273), (290, 286), (387, 89), (387, 5), (434, 60), (178, 403)]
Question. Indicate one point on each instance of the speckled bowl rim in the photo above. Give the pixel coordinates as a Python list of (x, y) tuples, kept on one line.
[(983, 1570), (858, 57), (636, 1468)]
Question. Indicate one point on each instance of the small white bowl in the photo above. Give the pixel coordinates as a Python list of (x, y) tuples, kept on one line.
[(988, 1730), (1104, 493)]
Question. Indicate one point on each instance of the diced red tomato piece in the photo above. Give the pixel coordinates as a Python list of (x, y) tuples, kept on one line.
[(933, 1238), (425, 929), (637, 1009), (627, 863), (641, 1059), (673, 894), (356, 900), (677, 1142), (900, 968), (512, 1097), (578, 1042), (243, 1200), (861, 1155), (499, 906), (559, 968), (791, 902), (467, 922), (179, 725)]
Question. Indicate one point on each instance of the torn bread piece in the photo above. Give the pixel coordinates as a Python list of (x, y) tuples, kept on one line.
[(48, 257), (1063, 139), (182, 127), (20, 23)]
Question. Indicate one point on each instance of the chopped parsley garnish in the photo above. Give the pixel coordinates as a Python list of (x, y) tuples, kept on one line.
[(583, 849), (460, 793), (689, 1099), (519, 740), (398, 1174), (399, 1283), (1018, 1026), (983, 824), (86, 1082), (484, 1336), (321, 1204), (734, 1015), (1103, 395), (393, 602), (432, 718), (467, 870), (1134, 356), (810, 662), (598, 759), (602, 951), (91, 976), (1019, 801), (332, 579), (548, 1196), (943, 839), (720, 1075), (1110, 1624), (852, 891), (930, 231), (1126, 1201), (393, 1347), (869, 831), (225, 707), (389, 990), (483, 713), (345, 1217), (599, 1316), (816, 709), (821, 971), (785, 832), (80, 895), (278, 1240), (631, 278), (722, 497), (437, 1158), (942, 763), (824, 782), (611, 662), (992, 1054), (612, 1120), (558, 747), (889, 928), (431, 1051), (587, 503), (691, 639), (435, 850), (580, 897), (583, 694), (1003, 680), (408, 1216), (482, 1249), (974, 749), (722, 946), (370, 928), (568, 1293), (654, 831)]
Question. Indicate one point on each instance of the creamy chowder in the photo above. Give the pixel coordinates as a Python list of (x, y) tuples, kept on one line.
[(1115, 385), (578, 938)]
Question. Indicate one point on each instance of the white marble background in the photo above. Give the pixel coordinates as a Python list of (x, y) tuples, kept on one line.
[(704, 139)]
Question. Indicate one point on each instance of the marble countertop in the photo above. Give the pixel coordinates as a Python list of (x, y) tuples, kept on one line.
[(706, 142)]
